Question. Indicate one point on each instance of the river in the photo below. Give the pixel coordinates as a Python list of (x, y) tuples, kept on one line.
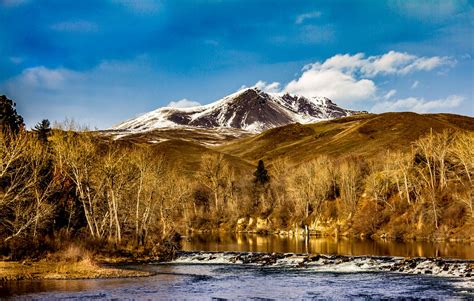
[(324, 245), (215, 273)]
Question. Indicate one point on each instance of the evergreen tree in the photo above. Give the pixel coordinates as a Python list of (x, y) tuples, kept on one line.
[(43, 130), (261, 174), (10, 121)]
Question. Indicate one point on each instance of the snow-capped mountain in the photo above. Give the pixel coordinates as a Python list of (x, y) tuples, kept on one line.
[(249, 109)]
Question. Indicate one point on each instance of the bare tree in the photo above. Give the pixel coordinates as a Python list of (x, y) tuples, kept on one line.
[(432, 151), (78, 159), (310, 184), (461, 153), (348, 178), (25, 185), (150, 171), (215, 173)]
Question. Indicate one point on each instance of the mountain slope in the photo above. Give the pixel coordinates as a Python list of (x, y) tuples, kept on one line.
[(364, 135), (249, 109), (202, 136), (361, 135)]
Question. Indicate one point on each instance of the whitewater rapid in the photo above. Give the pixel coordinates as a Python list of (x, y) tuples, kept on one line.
[(337, 263)]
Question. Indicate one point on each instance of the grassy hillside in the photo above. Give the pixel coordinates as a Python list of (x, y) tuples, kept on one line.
[(361, 135), (187, 156)]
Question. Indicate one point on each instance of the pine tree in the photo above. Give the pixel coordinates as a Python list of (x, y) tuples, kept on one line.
[(43, 130), (10, 121), (261, 174)]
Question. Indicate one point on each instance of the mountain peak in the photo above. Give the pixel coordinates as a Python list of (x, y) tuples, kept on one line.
[(249, 109)]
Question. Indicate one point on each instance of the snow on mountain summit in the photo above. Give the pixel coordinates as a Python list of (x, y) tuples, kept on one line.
[(249, 109)]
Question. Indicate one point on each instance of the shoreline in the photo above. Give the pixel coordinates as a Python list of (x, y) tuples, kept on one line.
[(103, 266), (302, 234), (123, 267), (53, 270)]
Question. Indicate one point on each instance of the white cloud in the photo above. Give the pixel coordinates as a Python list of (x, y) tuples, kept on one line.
[(392, 62), (390, 94), (343, 62), (427, 64), (389, 63), (400, 63), (419, 105), (183, 103), (53, 93), (331, 83), (75, 26), (312, 15), (270, 88), (415, 84), (347, 78), (42, 78)]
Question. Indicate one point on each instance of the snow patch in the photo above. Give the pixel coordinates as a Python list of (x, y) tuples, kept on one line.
[(223, 113)]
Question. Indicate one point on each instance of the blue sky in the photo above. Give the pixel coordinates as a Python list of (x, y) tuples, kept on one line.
[(101, 62)]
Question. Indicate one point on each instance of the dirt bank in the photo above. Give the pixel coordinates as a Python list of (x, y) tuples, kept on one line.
[(46, 269)]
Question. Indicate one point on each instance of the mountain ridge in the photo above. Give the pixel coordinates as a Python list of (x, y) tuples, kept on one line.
[(248, 109)]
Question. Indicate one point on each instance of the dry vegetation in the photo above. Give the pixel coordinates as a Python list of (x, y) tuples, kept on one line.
[(423, 193), (130, 199), (72, 263), (398, 175), (76, 187), (360, 135)]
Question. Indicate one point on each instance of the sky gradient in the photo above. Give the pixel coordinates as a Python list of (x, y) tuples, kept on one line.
[(101, 62)]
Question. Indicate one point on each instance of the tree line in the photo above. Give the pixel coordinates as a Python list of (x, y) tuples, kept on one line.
[(425, 193), (66, 184)]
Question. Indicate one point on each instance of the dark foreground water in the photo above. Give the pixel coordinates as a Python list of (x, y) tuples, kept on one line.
[(231, 275), (224, 281)]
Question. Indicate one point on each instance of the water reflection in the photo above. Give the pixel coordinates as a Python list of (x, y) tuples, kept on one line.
[(274, 243)]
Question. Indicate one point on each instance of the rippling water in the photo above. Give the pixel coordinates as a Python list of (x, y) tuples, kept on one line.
[(204, 282), (212, 276)]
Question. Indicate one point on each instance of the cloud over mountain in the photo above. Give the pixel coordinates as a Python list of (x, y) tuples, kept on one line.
[(350, 78), (183, 103), (419, 105)]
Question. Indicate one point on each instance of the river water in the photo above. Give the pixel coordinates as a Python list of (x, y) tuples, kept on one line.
[(325, 245), (231, 275)]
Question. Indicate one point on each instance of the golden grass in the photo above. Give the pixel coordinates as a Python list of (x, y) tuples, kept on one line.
[(72, 263), (361, 135), (84, 269)]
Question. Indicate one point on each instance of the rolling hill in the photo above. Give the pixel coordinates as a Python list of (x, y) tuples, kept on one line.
[(361, 135)]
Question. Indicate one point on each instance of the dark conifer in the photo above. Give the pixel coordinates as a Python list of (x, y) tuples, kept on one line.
[(10, 121), (43, 130), (261, 174)]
